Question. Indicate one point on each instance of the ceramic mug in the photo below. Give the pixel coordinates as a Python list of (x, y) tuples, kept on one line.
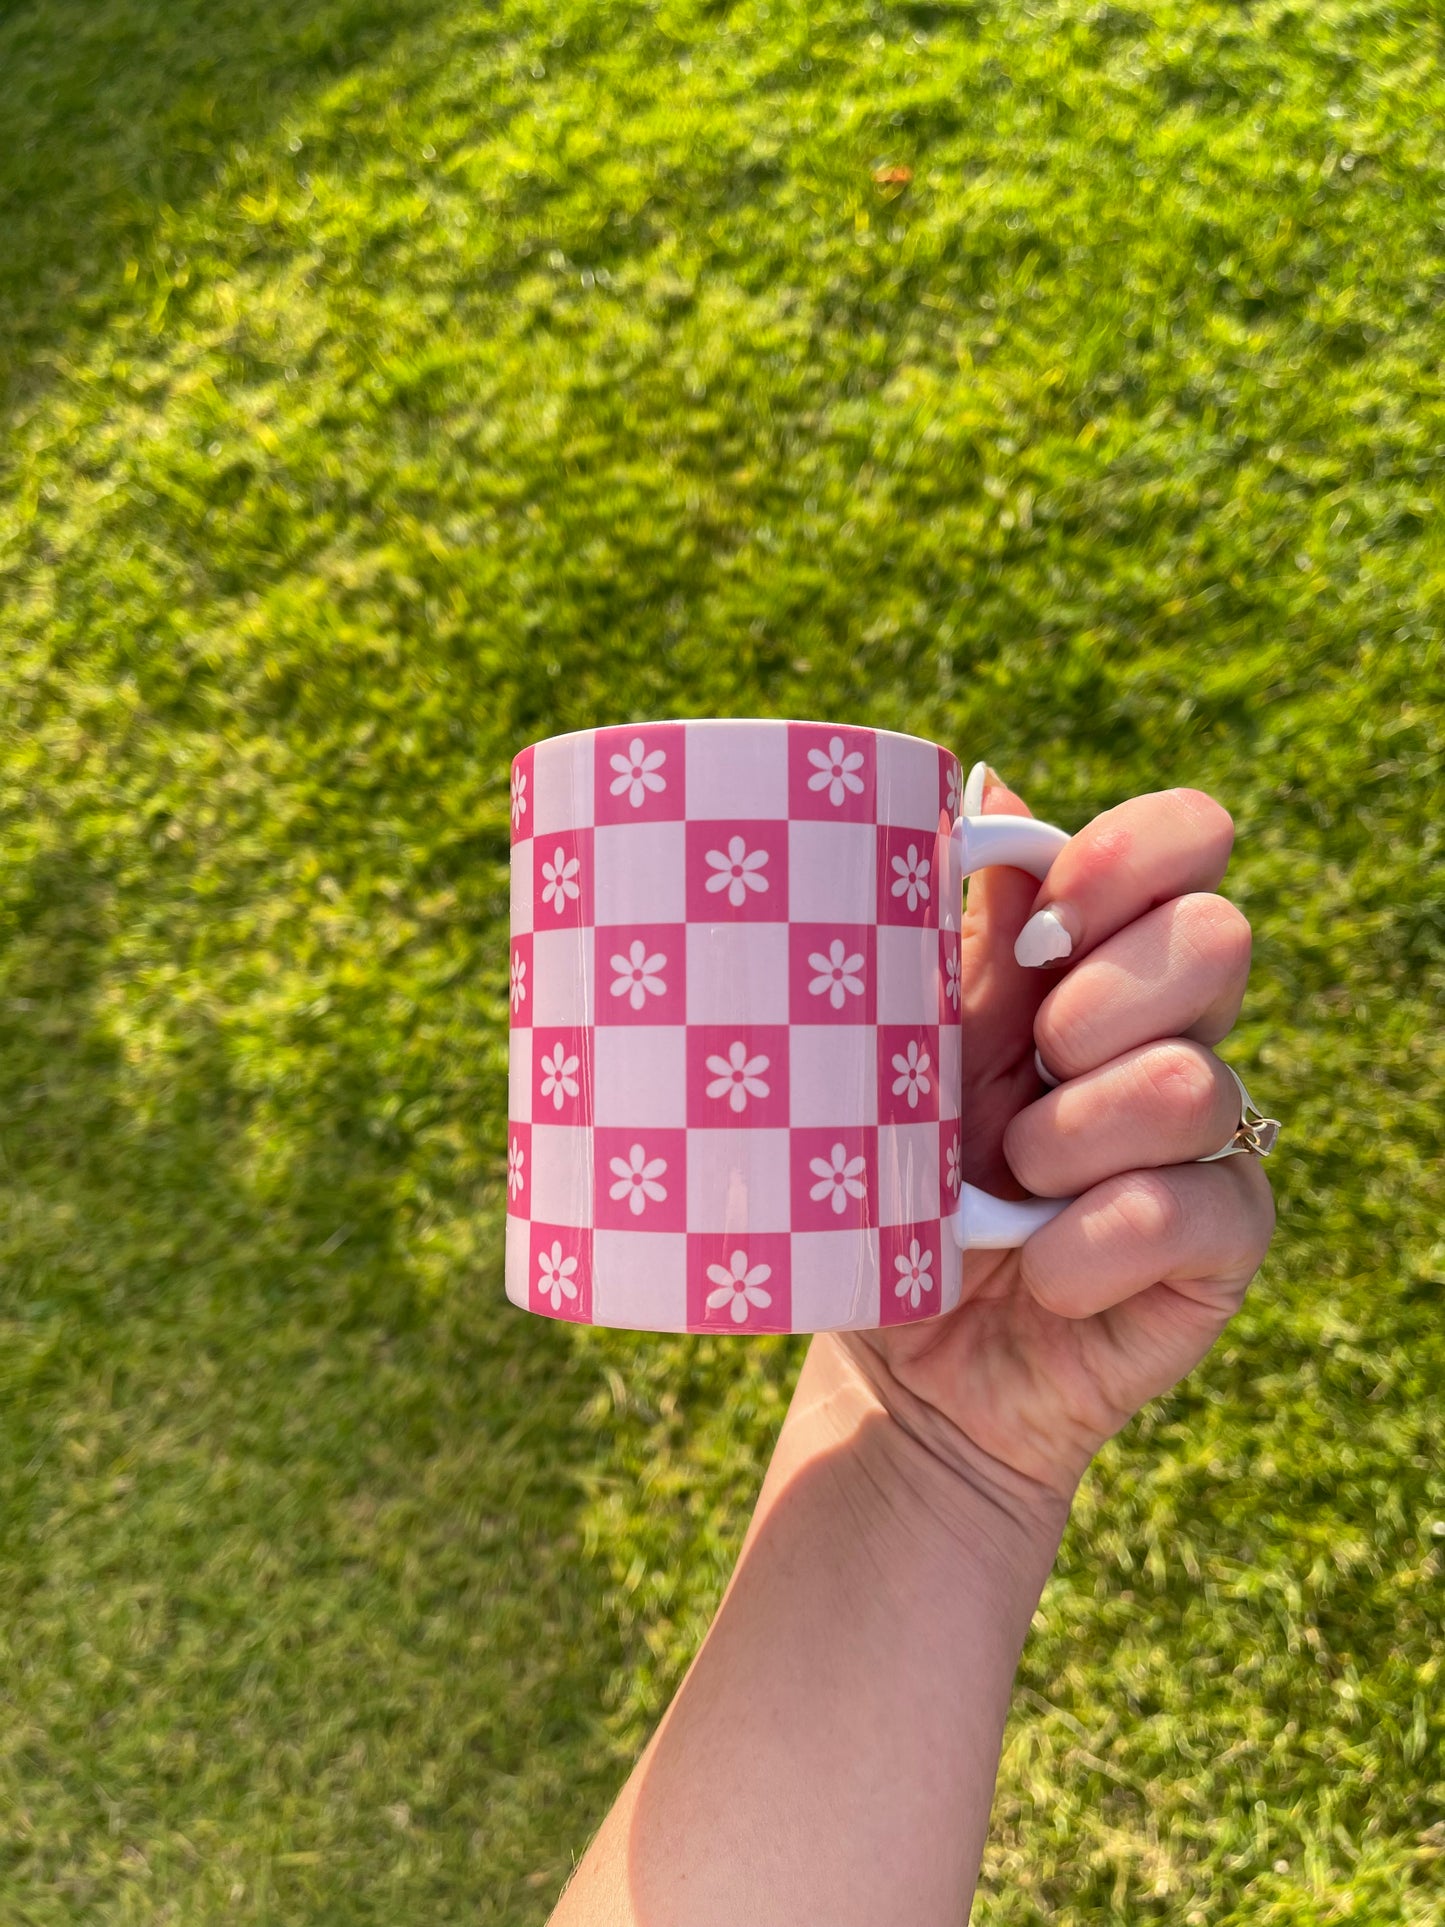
[(735, 1067)]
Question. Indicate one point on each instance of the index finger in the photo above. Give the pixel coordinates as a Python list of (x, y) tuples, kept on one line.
[(1143, 852)]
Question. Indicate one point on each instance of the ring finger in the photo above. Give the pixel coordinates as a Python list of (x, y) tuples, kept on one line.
[(1161, 1103)]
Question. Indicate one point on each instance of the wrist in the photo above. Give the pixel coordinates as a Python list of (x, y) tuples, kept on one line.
[(914, 1469)]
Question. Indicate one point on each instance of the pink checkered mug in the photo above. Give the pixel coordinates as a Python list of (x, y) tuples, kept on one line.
[(735, 1070)]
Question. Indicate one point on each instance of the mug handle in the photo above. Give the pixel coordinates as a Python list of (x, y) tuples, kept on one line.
[(982, 1222)]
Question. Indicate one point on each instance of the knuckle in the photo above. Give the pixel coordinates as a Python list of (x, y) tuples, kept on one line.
[(1180, 1080), (1148, 1209), (1067, 1047), (1217, 931), (1045, 1282), (1047, 1035), (1218, 935), (1246, 1222), (1028, 1139), (1018, 1150), (1209, 814), (1103, 847)]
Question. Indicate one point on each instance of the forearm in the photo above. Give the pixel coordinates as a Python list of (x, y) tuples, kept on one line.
[(830, 1756)]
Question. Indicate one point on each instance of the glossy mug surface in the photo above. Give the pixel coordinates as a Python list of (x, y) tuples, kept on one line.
[(735, 1066)]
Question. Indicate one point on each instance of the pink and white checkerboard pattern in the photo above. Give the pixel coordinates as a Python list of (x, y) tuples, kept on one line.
[(735, 1064)]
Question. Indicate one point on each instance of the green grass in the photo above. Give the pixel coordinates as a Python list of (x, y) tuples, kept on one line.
[(387, 384)]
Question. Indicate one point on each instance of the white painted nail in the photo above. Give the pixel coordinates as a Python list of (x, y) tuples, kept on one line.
[(1044, 939), (1045, 1074), (973, 790)]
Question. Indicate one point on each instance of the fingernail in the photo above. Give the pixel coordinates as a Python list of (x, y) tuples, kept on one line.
[(1046, 938), (973, 790)]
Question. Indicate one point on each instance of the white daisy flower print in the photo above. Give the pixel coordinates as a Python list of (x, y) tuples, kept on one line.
[(560, 879), (953, 1166), (953, 791), (738, 871), (519, 796), (913, 1274), (836, 772), (637, 1180), (910, 879), (519, 980), (556, 1275), (839, 1178), (559, 1076), (637, 772), (738, 1288), (637, 976), (950, 978), (912, 1079), (838, 975), (737, 1077), (515, 1160)]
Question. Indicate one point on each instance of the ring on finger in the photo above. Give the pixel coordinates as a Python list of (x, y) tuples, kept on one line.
[(1255, 1135)]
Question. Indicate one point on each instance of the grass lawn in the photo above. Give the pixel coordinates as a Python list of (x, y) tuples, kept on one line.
[(387, 383)]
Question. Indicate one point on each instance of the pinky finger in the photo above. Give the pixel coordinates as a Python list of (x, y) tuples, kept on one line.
[(1202, 1228)]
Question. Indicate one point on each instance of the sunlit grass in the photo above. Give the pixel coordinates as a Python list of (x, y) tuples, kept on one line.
[(386, 386)]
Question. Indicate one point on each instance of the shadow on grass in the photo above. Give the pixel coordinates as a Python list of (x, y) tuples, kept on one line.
[(142, 1134), (218, 1362), (116, 110)]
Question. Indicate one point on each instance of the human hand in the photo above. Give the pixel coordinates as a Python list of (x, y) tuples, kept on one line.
[(1057, 1344)]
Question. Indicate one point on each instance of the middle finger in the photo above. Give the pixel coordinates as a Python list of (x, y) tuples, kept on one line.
[(1163, 1103), (1178, 971)]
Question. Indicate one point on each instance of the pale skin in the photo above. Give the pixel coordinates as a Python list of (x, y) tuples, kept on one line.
[(830, 1757)]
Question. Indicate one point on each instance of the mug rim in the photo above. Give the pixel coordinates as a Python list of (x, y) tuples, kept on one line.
[(737, 722)]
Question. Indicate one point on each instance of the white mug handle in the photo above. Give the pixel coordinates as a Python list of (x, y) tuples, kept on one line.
[(982, 1222)]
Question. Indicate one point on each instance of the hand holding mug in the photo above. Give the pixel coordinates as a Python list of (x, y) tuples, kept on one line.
[(1056, 1344)]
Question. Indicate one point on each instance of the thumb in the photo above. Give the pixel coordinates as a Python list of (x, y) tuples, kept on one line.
[(999, 998)]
